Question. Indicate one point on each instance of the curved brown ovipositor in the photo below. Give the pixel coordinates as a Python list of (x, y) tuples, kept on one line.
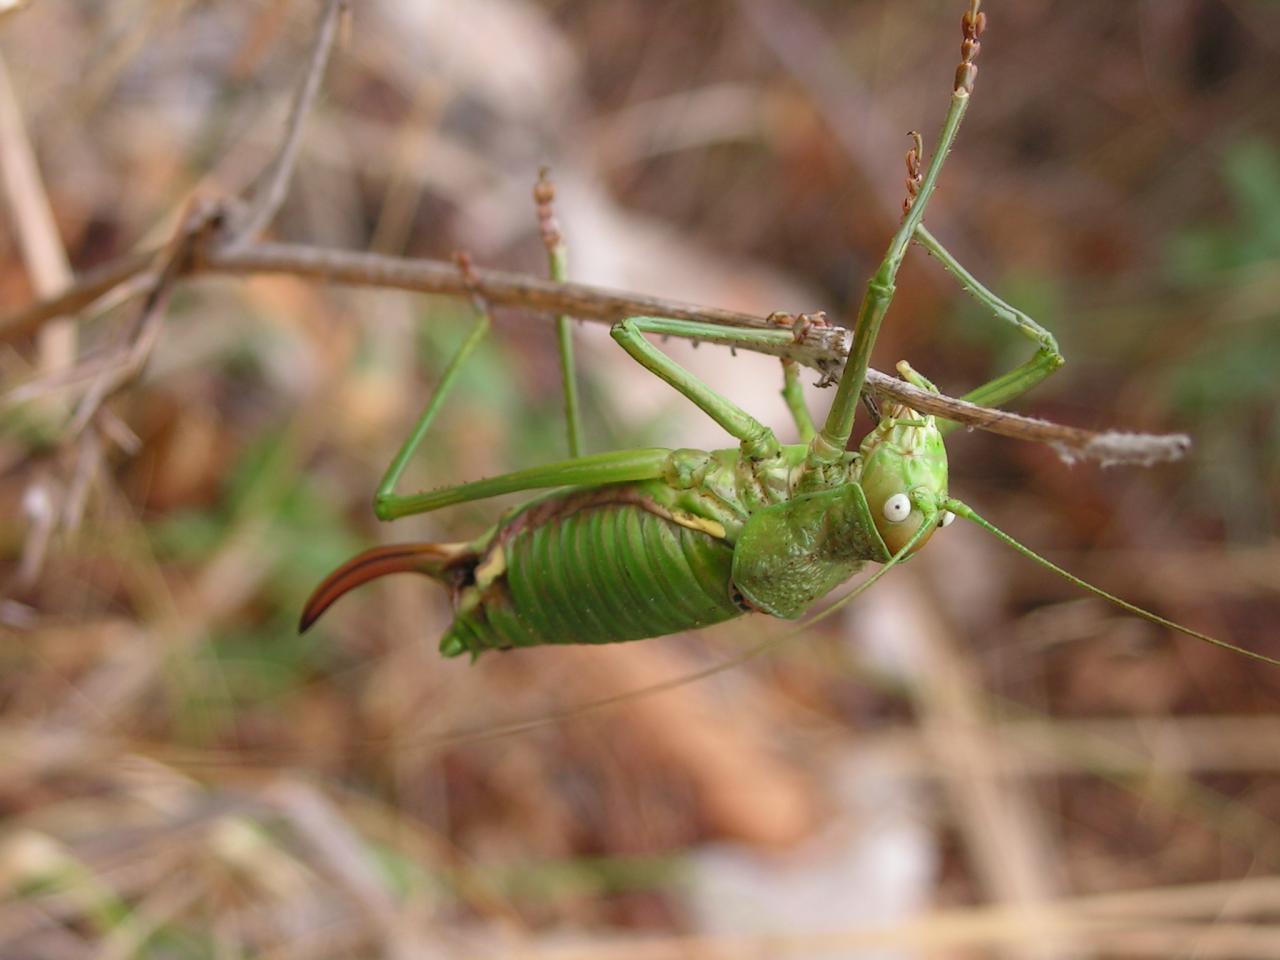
[(435, 560)]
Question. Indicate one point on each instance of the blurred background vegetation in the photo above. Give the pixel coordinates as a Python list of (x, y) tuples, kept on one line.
[(182, 775)]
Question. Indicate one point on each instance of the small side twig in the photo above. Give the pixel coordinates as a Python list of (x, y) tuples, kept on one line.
[(264, 206), (202, 218), (89, 287), (467, 274)]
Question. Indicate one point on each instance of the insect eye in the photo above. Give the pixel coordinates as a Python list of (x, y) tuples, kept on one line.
[(897, 508), (947, 518)]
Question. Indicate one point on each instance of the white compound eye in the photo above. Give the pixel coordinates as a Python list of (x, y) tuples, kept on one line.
[(897, 508), (947, 518)]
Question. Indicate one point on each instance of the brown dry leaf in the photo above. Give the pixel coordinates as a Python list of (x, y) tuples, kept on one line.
[(185, 449), (724, 746)]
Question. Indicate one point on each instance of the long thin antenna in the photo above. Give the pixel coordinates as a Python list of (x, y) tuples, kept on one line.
[(964, 510)]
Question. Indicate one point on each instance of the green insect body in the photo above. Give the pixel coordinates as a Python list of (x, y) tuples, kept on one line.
[(639, 543), (602, 573), (714, 537)]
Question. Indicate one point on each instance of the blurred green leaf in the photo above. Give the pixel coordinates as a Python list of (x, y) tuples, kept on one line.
[(1227, 386), (1251, 175)]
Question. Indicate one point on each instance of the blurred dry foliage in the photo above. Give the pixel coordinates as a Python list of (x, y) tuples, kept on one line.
[(975, 760)]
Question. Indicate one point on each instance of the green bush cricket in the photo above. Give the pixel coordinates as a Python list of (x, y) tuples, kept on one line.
[(641, 543)]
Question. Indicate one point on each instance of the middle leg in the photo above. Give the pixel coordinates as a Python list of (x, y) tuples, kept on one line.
[(758, 441), (1022, 378)]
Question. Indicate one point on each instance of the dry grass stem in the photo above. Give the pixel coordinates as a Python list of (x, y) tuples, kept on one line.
[(37, 232), (1137, 922)]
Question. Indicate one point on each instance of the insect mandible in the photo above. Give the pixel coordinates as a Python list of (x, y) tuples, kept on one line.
[(641, 543)]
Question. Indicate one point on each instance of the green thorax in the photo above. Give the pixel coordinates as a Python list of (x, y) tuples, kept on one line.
[(719, 490)]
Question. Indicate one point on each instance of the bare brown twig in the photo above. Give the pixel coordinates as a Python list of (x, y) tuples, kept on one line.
[(819, 347), (91, 286), (128, 362)]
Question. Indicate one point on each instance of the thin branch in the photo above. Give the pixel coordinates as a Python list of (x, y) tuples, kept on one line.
[(127, 363), (267, 202), (110, 373), (820, 347)]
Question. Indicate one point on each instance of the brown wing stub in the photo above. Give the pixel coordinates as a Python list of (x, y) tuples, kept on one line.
[(434, 560)]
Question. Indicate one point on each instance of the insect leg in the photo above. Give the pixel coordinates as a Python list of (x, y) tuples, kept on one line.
[(829, 445), (616, 466), (794, 397), (544, 194), (1018, 381), (758, 441), (385, 499), (613, 467)]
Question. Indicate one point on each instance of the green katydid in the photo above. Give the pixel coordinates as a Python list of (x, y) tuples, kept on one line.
[(641, 543)]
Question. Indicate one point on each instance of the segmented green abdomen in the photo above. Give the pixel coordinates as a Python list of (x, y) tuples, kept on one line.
[(601, 574)]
